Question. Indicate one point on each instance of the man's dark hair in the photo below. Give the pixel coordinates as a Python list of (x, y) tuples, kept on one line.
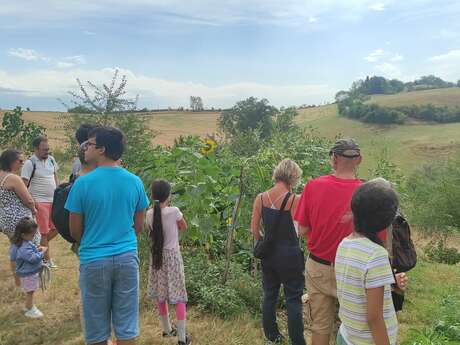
[(38, 140), (7, 158), (111, 138), (83, 131), (374, 205)]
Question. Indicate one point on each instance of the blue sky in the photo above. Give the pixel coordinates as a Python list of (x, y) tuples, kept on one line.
[(290, 52)]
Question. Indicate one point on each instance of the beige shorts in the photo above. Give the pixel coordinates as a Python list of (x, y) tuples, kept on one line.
[(322, 292)]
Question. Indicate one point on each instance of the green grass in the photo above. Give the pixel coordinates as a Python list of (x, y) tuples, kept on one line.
[(408, 146)]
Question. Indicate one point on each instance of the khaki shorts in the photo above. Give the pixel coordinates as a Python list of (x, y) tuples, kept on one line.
[(322, 291)]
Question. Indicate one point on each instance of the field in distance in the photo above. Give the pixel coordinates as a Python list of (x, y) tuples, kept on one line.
[(408, 146)]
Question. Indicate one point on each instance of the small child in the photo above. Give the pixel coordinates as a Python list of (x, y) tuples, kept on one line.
[(166, 274), (363, 270), (28, 259)]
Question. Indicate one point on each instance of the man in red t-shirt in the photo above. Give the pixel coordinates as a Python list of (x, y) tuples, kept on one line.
[(325, 218)]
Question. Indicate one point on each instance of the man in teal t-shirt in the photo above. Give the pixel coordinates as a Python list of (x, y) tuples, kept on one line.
[(107, 208)]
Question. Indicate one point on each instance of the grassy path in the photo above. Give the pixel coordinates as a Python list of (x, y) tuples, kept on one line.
[(60, 304), (429, 285)]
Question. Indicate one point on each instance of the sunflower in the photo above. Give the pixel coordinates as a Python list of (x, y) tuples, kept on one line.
[(209, 146)]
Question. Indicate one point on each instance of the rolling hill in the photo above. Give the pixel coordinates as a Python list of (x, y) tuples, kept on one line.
[(408, 146)]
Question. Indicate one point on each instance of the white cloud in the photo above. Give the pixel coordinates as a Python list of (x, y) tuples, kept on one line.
[(26, 54), (32, 55), (397, 58), (152, 90), (447, 65), (375, 55), (312, 20), (389, 70), (201, 12), (76, 59), (377, 7), (451, 56), (89, 33), (62, 64)]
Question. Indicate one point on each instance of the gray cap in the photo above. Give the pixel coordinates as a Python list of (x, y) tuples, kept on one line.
[(346, 148)]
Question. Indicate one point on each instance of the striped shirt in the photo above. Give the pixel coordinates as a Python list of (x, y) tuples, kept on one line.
[(361, 264)]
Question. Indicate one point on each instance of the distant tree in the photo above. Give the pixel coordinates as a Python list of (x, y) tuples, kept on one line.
[(248, 115), (458, 83), (27, 109), (396, 86), (284, 119), (340, 96), (79, 109), (196, 103)]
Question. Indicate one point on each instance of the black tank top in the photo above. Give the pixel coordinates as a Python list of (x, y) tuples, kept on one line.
[(286, 233)]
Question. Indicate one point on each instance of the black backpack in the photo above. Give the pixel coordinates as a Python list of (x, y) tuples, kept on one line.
[(59, 214), (404, 256)]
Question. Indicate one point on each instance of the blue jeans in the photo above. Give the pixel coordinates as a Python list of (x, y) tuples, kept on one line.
[(293, 290), (110, 296)]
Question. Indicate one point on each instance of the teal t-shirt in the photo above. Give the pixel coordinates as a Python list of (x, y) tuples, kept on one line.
[(108, 199)]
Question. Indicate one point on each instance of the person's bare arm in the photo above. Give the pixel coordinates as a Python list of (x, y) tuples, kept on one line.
[(182, 224), (21, 191), (303, 231), (256, 216), (139, 217), (76, 226), (375, 316), (56, 179), (26, 181)]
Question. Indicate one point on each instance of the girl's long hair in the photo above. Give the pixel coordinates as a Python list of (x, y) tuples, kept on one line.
[(161, 190), (374, 205), (25, 226)]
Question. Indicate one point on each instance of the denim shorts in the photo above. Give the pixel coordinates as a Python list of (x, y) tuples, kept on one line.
[(110, 297)]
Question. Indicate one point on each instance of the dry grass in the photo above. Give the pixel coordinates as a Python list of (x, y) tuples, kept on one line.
[(167, 125), (60, 304), (439, 97)]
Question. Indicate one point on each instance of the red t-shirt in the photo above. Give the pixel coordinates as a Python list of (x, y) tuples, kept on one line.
[(325, 207)]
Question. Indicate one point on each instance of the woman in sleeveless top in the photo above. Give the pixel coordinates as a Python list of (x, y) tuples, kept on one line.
[(274, 209), (15, 200)]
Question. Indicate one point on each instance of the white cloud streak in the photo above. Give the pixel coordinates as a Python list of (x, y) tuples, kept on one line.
[(375, 55), (389, 70), (378, 7), (26, 54), (152, 90), (32, 55), (201, 12), (446, 65)]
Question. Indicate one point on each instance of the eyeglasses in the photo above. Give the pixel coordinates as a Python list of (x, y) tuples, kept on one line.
[(87, 144)]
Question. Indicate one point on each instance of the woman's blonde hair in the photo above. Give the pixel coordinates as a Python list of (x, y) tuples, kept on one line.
[(287, 171)]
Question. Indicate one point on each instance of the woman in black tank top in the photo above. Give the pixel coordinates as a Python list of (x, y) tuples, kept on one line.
[(284, 265)]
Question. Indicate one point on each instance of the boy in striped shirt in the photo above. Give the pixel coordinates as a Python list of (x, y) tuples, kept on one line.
[(363, 270)]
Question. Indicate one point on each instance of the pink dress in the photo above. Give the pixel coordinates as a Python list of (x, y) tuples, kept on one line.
[(168, 283)]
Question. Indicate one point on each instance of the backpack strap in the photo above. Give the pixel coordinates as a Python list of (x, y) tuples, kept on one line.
[(34, 167)]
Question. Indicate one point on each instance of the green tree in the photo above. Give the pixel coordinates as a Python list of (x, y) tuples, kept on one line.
[(284, 120), (108, 105), (248, 115), (16, 133)]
